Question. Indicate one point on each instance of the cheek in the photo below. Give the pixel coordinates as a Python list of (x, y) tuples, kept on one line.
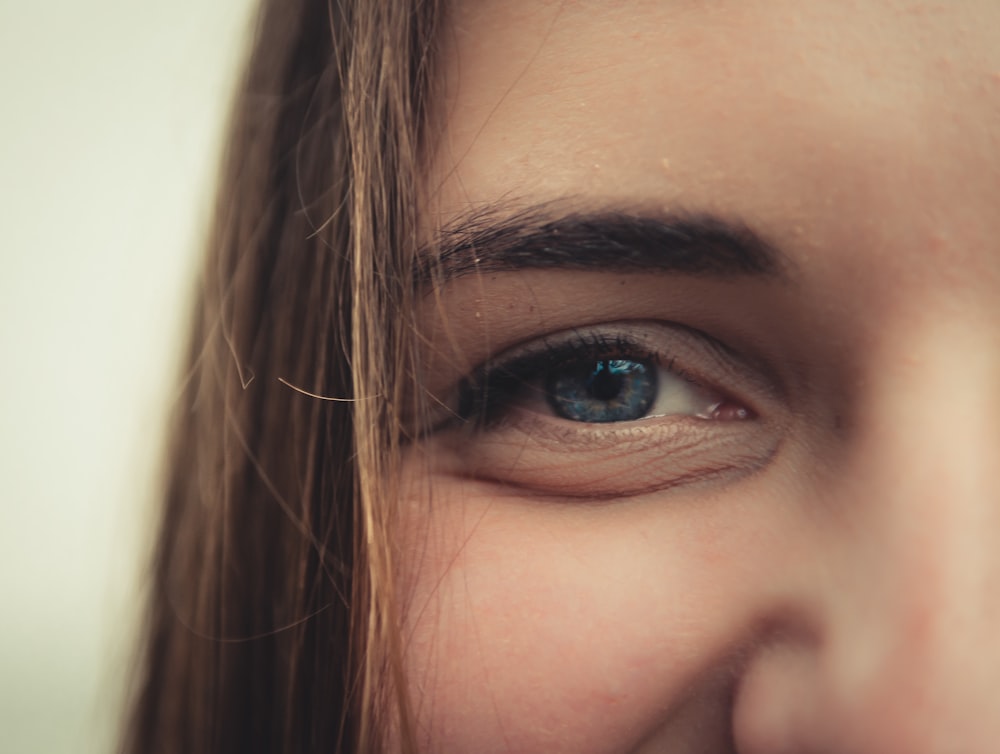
[(543, 626)]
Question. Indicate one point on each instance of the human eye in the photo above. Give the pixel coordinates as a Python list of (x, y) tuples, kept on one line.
[(611, 410), (616, 373)]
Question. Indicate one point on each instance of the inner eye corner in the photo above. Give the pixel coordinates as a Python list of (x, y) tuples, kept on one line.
[(733, 411)]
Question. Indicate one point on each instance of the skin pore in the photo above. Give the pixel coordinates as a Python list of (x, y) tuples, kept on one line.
[(800, 552)]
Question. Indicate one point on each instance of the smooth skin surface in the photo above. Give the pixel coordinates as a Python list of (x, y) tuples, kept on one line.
[(811, 569)]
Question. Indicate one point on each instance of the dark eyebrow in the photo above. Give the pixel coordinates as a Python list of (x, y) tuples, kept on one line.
[(608, 240)]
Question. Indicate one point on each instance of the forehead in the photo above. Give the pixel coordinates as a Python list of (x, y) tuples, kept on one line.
[(861, 128)]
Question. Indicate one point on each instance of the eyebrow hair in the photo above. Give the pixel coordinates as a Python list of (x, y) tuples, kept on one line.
[(487, 241)]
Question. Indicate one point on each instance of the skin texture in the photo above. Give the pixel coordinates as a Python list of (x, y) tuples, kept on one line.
[(833, 587)]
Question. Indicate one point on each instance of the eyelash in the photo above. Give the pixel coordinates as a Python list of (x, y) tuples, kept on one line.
[(486, 396)]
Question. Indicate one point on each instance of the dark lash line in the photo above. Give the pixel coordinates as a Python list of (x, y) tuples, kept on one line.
[(484, 395)]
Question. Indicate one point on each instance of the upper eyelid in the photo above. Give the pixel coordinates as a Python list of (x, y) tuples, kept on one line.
[(572, 343), (600, 336)]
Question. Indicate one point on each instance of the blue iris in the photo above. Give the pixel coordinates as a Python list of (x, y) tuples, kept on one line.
[(608, 390)]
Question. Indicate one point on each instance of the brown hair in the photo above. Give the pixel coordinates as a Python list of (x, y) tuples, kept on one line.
[(272, 623)]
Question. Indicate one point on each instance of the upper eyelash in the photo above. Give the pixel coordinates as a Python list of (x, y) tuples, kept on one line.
[(503, 375)]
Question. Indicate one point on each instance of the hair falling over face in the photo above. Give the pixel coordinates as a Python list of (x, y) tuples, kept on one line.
[(272, 613), (686, 314)]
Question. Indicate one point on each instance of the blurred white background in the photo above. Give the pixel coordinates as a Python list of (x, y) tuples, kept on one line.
[(110, 128)]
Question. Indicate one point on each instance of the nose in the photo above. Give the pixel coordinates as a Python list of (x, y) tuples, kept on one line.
[(900, 649)]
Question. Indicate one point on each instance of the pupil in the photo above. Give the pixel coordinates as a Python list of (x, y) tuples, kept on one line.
[(605, 384)]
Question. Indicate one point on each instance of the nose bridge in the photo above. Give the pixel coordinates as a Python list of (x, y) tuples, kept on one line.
[(914, 644)]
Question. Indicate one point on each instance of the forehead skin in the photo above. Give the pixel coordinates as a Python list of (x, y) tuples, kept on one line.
[(872, 126), (861, 138)]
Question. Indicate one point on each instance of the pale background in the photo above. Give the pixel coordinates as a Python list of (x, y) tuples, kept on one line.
[(110, 118)]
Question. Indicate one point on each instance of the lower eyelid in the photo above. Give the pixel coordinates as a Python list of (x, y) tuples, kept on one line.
[(567, 459)]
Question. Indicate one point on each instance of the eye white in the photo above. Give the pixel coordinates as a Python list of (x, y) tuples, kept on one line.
[(677, 396)]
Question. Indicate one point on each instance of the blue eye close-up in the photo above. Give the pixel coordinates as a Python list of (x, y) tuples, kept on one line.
[(608, 390)]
